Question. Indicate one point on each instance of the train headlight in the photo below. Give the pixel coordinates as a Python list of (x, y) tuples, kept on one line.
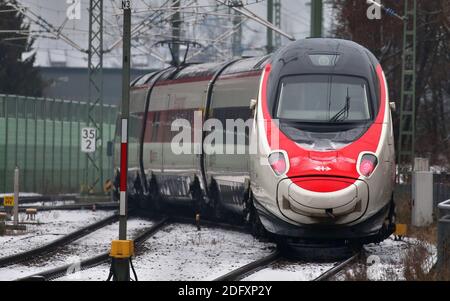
[(367, 164), (278, 163)]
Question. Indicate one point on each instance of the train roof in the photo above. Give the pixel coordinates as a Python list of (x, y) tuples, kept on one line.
[(324, 56), (352, 57), (207, 70), (350, 52)]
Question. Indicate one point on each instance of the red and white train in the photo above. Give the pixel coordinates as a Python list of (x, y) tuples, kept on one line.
[(318, 161)]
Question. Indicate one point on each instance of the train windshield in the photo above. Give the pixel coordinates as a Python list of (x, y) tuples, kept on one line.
[(323, 99)]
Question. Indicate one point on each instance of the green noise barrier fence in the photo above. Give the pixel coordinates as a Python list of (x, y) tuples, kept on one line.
[(42, 137)]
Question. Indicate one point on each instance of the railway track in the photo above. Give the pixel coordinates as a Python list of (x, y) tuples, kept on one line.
[(235, 275), (47, 198), (98, 206), (95, 260), (88, 263), (257, 265), (329, 274), (252, 267), (71, 199), (60, 242)]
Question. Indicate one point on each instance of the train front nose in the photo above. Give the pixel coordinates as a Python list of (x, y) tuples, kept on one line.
[(322, 199)]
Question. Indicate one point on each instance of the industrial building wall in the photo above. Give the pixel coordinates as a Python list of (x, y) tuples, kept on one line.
[(42, 137)]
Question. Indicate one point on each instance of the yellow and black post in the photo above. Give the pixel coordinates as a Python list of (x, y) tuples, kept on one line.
[(122, 249), (121, 253)]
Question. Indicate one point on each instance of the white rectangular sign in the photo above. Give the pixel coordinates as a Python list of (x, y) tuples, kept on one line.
[(88, 138)]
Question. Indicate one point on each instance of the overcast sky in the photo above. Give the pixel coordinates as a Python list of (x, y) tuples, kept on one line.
[(295, 21)]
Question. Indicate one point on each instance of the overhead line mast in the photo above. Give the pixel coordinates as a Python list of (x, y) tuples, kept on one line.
[(94, 161), (406, 139)]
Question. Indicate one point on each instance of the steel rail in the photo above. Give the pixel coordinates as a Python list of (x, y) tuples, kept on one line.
[(95, 260), (46, 198), (62, 241), (250, 268), (84, 206), (327, 275)]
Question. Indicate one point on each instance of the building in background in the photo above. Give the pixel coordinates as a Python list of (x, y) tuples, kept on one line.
[(71, 82)]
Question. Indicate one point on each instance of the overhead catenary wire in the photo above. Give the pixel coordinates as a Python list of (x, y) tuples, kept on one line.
[(203, 21), (244, 11), (35, 18)]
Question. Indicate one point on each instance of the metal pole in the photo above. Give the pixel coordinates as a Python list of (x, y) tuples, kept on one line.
[(35, 144), (277, 22), (269, 30), (122, 265), (61, 162), (316, 18), (16, 151), (44, 146), (111, 138), (5, 105), (176, 23), (79, 109), (407, 128), (237, 36), (53, 143), (94, 161), (25, 152), (69, 175), (16, 196)]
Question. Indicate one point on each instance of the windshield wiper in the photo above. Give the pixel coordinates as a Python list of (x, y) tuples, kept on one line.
[(343, 113)]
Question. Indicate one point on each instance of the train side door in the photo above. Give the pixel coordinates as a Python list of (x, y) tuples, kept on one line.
[(226, 163), (152, 147), (180, 164)]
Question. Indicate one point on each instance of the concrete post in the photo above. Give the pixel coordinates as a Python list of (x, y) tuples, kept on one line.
[(16, 196), (421, 164), (422, 199)]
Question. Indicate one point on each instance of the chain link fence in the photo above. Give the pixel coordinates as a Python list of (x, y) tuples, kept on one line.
[(42, 137)]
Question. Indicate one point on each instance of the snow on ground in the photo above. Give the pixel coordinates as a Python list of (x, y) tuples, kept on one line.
[(290, 271), (385, 260), (180, 252), (49, 226), (93, 244)]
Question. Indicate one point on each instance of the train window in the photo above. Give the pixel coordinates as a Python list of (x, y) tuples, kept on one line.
[(323, 98)]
